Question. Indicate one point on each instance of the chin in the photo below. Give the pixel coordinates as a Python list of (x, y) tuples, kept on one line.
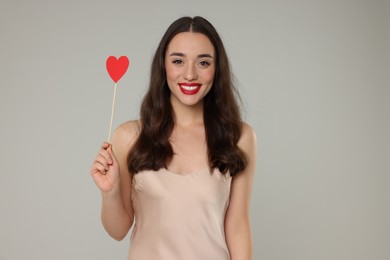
[(189, 101)]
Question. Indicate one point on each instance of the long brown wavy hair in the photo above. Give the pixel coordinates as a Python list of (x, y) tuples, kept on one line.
[(222, 119)]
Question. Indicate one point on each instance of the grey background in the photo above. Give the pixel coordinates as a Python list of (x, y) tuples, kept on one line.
[(314, 79)]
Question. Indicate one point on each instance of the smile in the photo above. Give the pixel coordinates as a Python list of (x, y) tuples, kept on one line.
[(189, 88)]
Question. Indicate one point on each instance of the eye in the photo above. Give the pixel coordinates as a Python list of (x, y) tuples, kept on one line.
[(177, 61), (204, 63)]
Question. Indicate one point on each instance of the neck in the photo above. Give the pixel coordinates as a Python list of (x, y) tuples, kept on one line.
[(187, 115)]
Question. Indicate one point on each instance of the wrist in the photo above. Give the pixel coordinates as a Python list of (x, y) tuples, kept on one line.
[(110, 195)]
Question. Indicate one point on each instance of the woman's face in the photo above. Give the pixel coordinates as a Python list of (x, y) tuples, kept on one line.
[(190, 67)]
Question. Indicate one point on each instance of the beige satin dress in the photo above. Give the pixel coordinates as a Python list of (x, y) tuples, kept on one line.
[(179, 217)]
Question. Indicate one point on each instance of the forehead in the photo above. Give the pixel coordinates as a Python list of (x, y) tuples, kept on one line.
[(190, 43)]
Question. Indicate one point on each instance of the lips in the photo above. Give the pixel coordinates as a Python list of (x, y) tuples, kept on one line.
[(189, 88)]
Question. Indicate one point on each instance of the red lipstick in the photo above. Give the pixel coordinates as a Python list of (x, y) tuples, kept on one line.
[(189, 88)]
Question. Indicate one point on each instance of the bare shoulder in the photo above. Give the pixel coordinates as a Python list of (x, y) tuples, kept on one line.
[(247, 141), (127, 132), (123, 140)]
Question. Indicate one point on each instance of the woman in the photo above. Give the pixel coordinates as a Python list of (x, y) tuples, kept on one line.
[(185, 169)]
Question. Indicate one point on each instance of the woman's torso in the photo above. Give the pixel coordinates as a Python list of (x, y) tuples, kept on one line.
[(179, 216)]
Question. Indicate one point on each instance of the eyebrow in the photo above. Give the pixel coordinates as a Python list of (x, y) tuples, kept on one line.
[(180, 54)]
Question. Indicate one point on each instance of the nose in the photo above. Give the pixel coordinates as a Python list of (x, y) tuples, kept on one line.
[(190, 73)]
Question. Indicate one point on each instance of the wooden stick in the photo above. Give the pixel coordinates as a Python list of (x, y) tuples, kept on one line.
[(112, 114)]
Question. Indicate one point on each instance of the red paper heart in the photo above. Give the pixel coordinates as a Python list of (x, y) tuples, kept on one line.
[(117, 67)]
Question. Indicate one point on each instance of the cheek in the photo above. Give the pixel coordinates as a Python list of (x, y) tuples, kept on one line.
[(171, 72), (209, 76)]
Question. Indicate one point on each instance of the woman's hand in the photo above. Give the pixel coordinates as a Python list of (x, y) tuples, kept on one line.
[(105, 170)]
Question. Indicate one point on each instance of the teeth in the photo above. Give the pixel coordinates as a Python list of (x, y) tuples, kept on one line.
[(189, 88)]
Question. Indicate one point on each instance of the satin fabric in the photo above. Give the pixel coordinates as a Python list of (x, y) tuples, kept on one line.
[(179, 217)]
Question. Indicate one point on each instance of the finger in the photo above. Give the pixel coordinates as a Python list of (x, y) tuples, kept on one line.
[(98, 168), (103, 161), (105, 145), (112, 155), (105, 154)]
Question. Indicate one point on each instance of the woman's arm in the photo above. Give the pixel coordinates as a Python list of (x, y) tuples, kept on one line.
[(117, 213), (237, 220)]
